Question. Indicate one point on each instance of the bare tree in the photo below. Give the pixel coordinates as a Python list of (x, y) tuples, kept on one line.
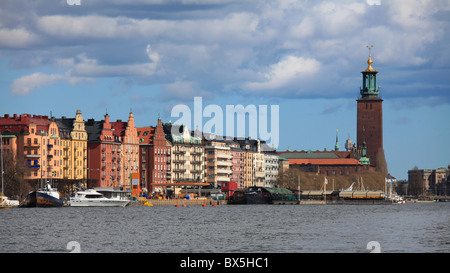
[(14, 172)]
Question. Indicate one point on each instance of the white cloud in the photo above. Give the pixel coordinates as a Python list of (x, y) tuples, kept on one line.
[(153, 56), (23, 85), (16, 38), (286, 71)]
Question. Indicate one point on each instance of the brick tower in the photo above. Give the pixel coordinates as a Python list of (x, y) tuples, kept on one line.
[(370, 116)]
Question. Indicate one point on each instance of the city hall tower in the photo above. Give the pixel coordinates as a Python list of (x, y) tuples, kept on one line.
[(370, 116)]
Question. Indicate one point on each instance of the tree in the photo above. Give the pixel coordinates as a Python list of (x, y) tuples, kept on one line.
[(15, 186)]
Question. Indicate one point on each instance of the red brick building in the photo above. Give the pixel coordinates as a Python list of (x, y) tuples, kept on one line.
[(154, 158), (324, 162), (103, 153)]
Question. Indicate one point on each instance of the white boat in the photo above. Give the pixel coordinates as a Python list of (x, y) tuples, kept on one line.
[(92, 198)]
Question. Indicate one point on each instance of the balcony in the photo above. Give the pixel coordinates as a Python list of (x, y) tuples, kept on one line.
[(179, 152), (222, 155), (223, 163), (179, 161), (179, 170), (32, 156), (223, 179)]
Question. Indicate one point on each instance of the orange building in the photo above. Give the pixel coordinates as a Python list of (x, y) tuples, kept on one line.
[(35, 139)]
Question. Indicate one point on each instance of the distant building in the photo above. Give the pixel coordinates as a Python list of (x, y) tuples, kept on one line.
[(429, 181), (324, 162), (237, 168), (271, 168)]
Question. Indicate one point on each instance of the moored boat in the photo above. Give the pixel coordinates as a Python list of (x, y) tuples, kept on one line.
[(47, 197), (92, 198)]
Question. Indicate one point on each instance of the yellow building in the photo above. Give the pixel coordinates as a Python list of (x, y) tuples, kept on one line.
[(73, 147)]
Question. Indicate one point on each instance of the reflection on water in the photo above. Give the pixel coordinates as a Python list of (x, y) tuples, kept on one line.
[(239, 228)]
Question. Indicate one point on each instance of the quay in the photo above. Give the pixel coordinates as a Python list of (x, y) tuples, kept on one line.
[(174, 202)]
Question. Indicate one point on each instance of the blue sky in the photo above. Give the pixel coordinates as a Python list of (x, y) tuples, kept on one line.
[(305, 56)]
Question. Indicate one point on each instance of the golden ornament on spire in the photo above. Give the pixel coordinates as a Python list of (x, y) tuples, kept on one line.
[(369, 61)]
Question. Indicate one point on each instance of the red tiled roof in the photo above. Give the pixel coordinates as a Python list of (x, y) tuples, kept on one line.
[(20, 124), (145, 133), (119, 128), (331, 161)]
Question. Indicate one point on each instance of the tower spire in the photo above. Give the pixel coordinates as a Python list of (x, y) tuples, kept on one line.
[(369, 87), (336, 146)]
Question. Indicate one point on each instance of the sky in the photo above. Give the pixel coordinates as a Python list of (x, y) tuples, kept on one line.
[(306, 57)]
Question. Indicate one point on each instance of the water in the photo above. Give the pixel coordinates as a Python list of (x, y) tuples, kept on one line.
[(231, 229)]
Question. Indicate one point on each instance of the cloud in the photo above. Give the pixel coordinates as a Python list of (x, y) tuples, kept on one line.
[(280, 48), (283, 73), (183, 90), (16, 38), (23, 85)]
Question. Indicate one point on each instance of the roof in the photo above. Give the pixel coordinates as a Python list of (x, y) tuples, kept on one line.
[(119, 128), (20, 124), (145, 134), (332, 161), (65, 126)]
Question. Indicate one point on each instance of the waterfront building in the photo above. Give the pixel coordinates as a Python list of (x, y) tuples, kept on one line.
[(237, 168), (218, 163), (73, 147), (35, 139), (253, 162), (272, 168), (324, 162), (370, 116), (188, 154), (429, 181), (127, 154), (259, 166), (102, 153), (155, 162)]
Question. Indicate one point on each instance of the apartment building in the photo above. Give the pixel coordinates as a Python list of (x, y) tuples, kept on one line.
[(218, 163), (154, 158), (73, 147), (37, 142), (103, 147), (127, 154), (188, 154)]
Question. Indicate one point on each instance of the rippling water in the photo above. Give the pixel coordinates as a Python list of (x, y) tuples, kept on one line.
[(240, 228)]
